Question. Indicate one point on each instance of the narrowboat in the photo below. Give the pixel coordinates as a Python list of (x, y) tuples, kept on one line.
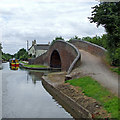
[(13, 68), (14, 62)]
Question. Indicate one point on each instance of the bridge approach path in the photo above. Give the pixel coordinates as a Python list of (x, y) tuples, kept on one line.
[(94, 66)]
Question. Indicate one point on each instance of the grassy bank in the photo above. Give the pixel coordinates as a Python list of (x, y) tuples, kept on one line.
[(23, 62), (36, 66), (92, 88)]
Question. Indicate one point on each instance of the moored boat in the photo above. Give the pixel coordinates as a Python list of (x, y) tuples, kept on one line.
[(14, 62)]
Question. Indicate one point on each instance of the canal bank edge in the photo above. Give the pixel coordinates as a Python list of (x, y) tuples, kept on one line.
[(80, 111), (30, 68)]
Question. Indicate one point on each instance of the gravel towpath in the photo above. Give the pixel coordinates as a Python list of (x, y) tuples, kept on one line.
[(94, 66)]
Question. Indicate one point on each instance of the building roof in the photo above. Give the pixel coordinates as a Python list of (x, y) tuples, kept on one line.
[(40, 47)]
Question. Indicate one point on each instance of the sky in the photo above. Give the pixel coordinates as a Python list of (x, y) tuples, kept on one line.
[(43, 20)]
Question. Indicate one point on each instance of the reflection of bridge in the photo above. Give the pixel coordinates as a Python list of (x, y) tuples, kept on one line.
[(66, 56)]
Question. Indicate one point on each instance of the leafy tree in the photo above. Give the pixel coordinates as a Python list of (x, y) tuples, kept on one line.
[(0, 52), (108, 15), (6, 56), (101, 41), (104, 40), (57, 38), (22, 54), (0, 47), (75, 38)]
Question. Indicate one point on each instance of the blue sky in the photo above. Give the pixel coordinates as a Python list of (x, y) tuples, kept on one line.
[(43, 20)]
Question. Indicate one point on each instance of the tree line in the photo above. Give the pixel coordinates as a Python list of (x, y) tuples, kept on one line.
[(22, 54)]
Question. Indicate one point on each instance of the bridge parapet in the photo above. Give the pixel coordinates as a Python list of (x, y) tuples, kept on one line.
[(89, 47), (62, 55)]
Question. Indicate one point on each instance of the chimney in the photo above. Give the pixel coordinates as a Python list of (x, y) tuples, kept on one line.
[(33, 42), (48, 43)]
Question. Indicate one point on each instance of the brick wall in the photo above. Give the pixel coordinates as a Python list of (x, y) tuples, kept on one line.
[(89, 47)]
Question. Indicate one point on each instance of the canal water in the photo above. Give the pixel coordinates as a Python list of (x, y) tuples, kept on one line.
[(23, 96)]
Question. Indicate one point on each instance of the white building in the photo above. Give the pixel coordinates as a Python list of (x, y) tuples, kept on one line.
[(37, 49)]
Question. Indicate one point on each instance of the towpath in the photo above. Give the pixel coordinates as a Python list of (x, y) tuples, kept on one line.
[(94, 66)]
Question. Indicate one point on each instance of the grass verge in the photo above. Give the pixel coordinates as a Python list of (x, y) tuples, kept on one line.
[(36, 66), (92, 88), (23, 62)]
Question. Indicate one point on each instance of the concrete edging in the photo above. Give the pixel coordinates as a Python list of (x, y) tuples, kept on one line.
[(80, 110)]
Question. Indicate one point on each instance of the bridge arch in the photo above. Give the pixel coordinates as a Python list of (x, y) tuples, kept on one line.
[(55, 60), (61, 55)]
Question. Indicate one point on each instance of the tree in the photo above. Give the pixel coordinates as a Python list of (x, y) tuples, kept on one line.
[(6, 56), (0, 52), (108, 15), (22, 54), (74, 38), (0, 47), (57, 38)]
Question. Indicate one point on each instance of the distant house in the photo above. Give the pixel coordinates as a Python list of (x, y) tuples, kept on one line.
[(37, 49)]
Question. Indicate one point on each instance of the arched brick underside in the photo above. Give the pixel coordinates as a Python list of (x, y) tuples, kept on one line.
[(55, 60), (60, 55)]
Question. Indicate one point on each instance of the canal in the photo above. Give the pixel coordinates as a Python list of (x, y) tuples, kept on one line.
[(23, 96)]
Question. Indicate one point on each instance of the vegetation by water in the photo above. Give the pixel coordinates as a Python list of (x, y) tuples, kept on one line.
[(92, 88), (36, 66), (22, 54), (0, 52), (117, 70), (25, 63), (6, 56)]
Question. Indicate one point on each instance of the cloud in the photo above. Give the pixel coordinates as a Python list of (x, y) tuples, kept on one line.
[(44, 20)]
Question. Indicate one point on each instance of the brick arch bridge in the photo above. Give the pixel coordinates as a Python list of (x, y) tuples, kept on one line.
[(62, 55)]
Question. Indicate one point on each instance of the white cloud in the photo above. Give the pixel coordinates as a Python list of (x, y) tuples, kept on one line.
[(44, 20)]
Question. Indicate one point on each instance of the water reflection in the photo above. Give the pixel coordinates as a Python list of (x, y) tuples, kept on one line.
[(36, 76), (58, 100), (13, 68), (25, 97)]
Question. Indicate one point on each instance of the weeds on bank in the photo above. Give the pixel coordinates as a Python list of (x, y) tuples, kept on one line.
[(117, 70), (36, 66), (92, 88)]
